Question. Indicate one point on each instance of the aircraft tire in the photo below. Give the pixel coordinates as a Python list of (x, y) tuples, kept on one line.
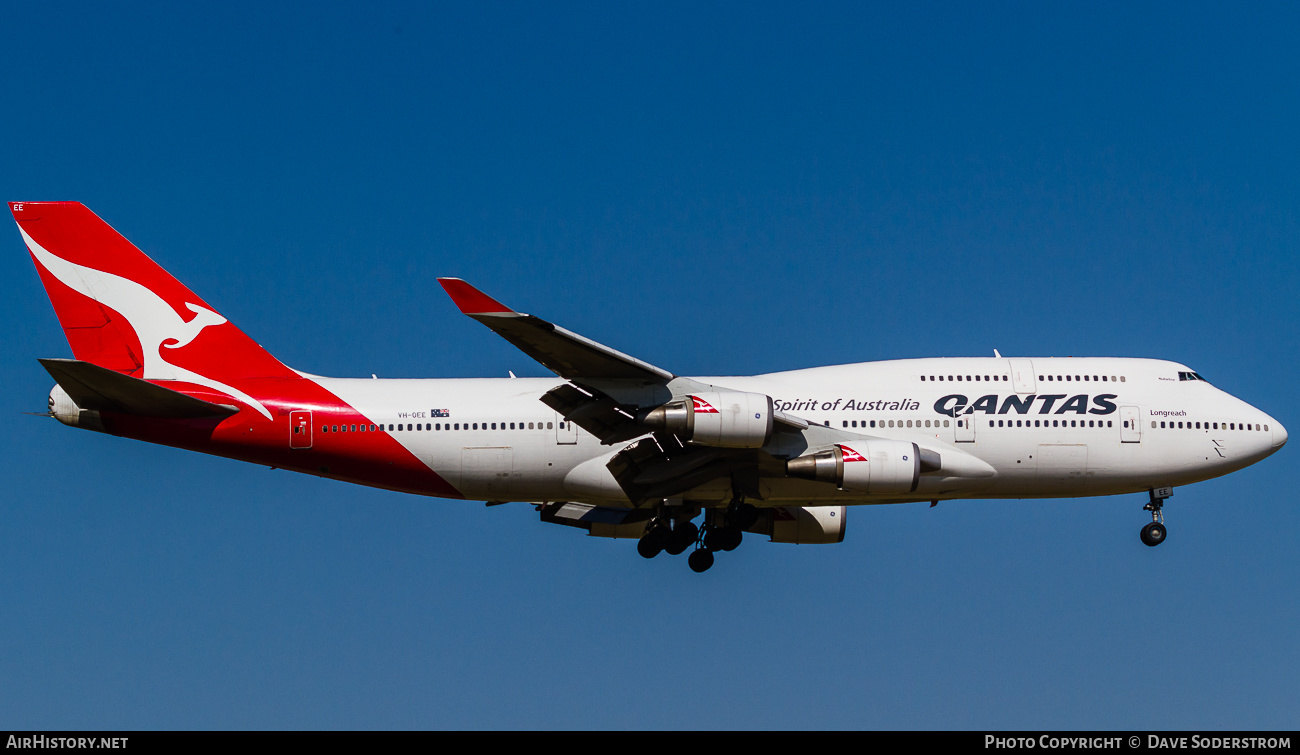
[(683, 537), (746, 516), (729, 538), (1154, 534), (700, 560), (648, 546)]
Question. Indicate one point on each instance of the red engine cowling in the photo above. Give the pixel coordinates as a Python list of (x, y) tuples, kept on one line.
[(728, 419), (874, 466)]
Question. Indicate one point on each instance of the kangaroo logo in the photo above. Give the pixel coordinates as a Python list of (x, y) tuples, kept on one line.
[(155, 322)]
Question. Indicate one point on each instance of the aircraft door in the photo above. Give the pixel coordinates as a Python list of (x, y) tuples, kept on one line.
[(965, 428), (1130, 426), (566, 433), (1022, 375), (300, 429)]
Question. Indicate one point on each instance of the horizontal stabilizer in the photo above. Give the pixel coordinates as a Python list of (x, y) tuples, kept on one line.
[(100, 389)]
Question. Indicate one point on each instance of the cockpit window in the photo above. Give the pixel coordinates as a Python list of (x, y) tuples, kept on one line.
[(1190, 376)]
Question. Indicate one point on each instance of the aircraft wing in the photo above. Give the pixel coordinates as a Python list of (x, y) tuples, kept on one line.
[(561, 351), (583, 362)]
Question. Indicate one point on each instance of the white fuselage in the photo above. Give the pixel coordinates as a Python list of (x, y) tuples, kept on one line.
[(1137, 426)]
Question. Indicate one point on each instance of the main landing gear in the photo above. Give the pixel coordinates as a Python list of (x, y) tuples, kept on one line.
[(1154, 533), (722, 531)]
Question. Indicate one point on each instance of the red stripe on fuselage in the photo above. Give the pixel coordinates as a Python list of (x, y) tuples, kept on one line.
[(368, 458)]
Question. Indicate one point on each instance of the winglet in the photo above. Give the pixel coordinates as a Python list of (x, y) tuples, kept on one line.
[(471, 300)]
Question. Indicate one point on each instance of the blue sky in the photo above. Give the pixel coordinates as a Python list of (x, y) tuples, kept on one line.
[(736, 188)]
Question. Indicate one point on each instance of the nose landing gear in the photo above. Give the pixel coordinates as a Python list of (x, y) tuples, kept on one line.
[(1154, 533)]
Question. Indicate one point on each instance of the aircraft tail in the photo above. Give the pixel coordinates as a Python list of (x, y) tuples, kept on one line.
[(121, 311)]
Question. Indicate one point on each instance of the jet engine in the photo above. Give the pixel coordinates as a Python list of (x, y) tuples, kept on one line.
[(802, 525), (874, 466), (728, 419)]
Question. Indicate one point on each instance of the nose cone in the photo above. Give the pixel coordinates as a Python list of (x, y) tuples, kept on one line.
[(1279, 435)]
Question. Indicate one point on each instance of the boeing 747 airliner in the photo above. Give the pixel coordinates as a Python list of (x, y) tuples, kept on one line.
[(613, 445)]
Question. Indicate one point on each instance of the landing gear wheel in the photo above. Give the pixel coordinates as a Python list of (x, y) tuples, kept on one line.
[(1153, 534), (700, 560), (654, 540), (684, 536), (746, 516), (647, 547), (728, 538)]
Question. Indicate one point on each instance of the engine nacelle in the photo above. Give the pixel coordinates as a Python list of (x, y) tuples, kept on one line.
[(875, 466), (728, 419), (802, 525)]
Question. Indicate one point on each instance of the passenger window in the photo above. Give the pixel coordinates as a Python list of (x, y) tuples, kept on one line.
[(945, 423), (548, 426)]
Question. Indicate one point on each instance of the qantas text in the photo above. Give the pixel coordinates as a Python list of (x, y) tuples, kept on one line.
[(955, 404)]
